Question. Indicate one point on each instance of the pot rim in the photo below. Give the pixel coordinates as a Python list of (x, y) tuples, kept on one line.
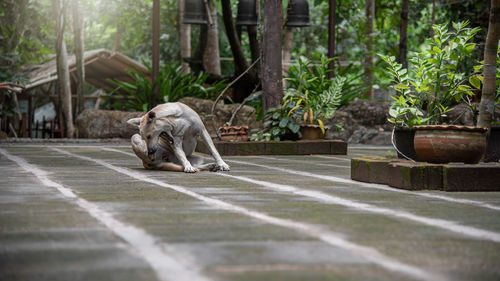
[(451, 127), (404, 129), (313, 126)]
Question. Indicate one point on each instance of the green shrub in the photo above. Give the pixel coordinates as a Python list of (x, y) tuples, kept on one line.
[(432, 83), (172, 86)]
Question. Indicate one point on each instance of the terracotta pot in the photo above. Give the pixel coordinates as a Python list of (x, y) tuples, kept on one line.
[(234, 133), (312, 132), (447, 143), (493, 148), (403, 142)]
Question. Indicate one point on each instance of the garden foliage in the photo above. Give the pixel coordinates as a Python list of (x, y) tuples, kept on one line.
[(433, 83), (172, 86)]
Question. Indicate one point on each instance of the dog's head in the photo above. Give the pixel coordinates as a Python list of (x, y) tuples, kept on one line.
[(151, 128)]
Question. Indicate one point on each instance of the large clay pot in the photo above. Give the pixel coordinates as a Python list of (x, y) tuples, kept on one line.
[(312, 132), (403, 142), (447, 143), (493, 148)]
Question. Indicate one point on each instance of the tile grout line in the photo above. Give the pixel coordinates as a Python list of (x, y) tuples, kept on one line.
[(472, 232), (141, 243), (376, 186), (368, 253)]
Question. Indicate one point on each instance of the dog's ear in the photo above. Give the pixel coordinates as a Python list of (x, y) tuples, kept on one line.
[(151, 116), (135, 122)]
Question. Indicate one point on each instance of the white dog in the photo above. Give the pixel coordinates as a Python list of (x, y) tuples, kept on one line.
[(168, 137)]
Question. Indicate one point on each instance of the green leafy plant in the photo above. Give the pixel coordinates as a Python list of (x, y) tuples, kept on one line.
[(278, 125), (172, 86), (314, 99), (432, 83), (313, 77)]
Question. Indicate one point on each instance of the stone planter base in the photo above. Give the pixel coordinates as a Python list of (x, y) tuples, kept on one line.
[(409, 175), (227, 148)]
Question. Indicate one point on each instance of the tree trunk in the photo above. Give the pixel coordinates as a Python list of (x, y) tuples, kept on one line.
[(246, 84), (487, 105), (196, 61), (287, 49), (254, 42), (155, 51), (370, 17), (185, 38), (403, 30), (272, 87), (211, 59), (79, 47), (332, 7), (240, 62), (62, 69)]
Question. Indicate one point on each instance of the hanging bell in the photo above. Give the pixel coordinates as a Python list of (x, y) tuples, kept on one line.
[(247, 12), (298, 13), (194, 12)]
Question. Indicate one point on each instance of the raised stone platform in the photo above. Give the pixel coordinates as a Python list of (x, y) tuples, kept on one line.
[(409, 175), (303, 147)]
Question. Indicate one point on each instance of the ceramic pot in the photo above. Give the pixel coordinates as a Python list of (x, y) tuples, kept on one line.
[(312, 132), (492, 153), (234, 133), (448, 143), (402, 140)]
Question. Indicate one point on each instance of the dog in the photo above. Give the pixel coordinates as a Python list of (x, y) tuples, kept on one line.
[(167, 138)]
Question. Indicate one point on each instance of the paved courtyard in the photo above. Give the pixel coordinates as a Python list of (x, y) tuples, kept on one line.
[(91, 212)]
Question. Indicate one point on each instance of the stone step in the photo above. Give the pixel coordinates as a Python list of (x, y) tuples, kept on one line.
[(410, 175)]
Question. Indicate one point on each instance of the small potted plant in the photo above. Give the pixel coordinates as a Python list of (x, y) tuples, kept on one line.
[(314, 97), (429, 88)]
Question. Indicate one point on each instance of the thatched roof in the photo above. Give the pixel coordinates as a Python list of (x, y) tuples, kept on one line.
[(100, 65)]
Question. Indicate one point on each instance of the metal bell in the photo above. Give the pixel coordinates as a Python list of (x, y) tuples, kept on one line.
[(298, 13), (194, 12), (247, 12)]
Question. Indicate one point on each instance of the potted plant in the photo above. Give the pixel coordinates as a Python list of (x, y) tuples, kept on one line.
[(429, 88), (314, 97)]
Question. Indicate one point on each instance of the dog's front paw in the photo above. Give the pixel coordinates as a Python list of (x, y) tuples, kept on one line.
[(190, 169), (222, 167)]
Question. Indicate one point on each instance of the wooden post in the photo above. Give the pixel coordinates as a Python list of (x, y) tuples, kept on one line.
[(332, 22), (79, 47), (272, 85), (156, 49), (184, 38), (211, 59), (63, 71)]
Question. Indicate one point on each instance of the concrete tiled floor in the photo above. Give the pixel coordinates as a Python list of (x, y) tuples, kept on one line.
[(90, 212)]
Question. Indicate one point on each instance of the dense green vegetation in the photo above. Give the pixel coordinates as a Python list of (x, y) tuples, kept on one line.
[(125, 25)]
